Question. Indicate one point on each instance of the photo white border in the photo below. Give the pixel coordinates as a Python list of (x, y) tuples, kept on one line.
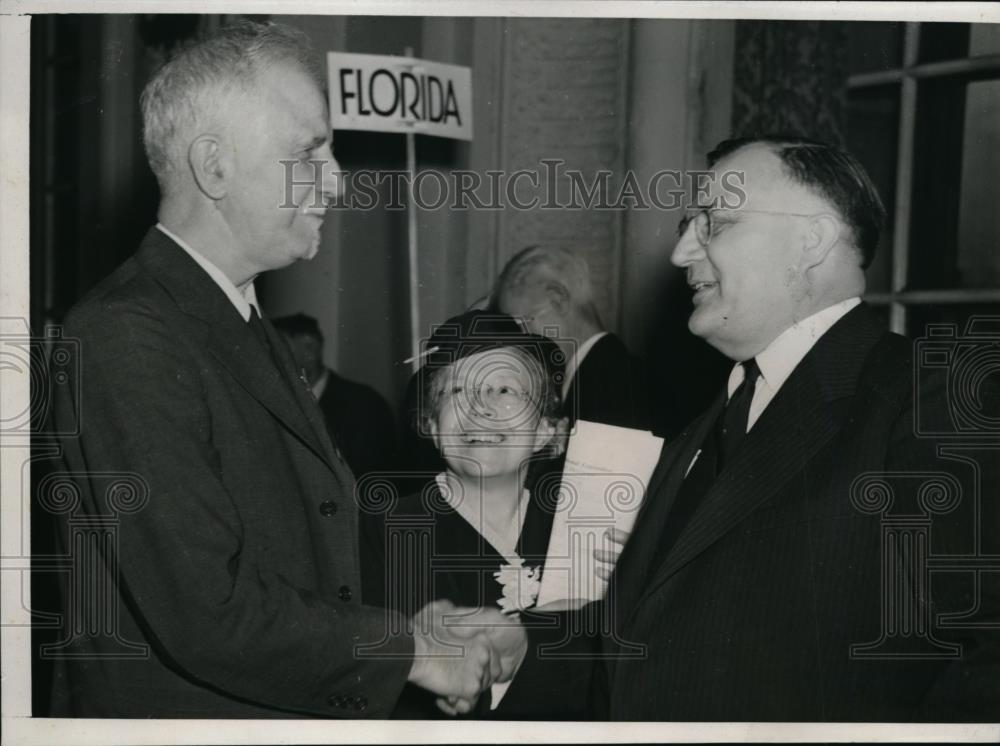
[(15, 691)]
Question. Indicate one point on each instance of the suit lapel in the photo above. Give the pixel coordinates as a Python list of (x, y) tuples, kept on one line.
[(790, 431), (802, 418), (301, 390), (632, 570), (227, 336)]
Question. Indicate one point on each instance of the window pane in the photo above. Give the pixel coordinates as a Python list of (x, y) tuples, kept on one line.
[(943, 41), (979, 210), (873, 47), (937, 173), (955, 221), (984, 38), (872, 133)]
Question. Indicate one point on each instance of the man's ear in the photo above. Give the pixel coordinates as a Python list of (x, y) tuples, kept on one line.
[(432, 428), (558, 297), (209, 166), (821, 236)]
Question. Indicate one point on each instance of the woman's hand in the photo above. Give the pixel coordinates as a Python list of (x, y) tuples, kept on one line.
[(608, 555)]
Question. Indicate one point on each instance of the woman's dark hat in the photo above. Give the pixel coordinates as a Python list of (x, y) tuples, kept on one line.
[(476, 331)]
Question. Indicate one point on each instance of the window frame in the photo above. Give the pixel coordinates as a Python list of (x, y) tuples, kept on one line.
[(907, 76)]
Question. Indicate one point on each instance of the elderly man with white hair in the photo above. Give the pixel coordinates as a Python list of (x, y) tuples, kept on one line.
[(229, 586), (550, 290)]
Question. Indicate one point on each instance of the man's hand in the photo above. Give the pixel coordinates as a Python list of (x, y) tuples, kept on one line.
[(606, 557), (507, 638), (454, 660), (508, 645)]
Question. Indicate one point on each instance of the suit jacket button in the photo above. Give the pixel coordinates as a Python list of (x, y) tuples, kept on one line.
[(327, 508), (335, 700), (360, 704), (344, 594)]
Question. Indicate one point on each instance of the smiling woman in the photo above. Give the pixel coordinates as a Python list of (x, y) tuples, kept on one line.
[(478, 535)]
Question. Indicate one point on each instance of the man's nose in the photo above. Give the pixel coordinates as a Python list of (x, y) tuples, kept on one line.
[(687, 250), (331, 182)]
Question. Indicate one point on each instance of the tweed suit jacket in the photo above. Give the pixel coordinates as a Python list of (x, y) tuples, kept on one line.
[(239, 573), (764, 606)]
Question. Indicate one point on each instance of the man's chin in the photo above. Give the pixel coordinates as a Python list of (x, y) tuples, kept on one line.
[(305, 254), (701, 323), (311, 251)]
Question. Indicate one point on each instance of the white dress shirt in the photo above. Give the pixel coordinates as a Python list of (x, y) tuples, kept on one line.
[(574, 362), (242, 301), (320, 386), (780, 358)]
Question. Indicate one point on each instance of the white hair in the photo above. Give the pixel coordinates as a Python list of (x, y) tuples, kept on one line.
[(188, 93)]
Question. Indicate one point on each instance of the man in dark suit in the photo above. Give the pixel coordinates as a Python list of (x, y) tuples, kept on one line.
[(550, 289), (228, 583), (779, 568), (357, 417)]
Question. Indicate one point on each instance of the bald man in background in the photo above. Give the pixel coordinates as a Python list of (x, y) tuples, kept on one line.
[(550, 289)]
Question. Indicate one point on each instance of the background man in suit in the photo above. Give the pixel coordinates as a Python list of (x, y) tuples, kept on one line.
[(236, 568), (758, 572), (550, 288), (358, 419)]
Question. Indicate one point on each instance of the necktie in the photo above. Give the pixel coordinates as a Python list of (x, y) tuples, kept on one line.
[(724, 440), (732, 426), (294, 385), (256, 325)]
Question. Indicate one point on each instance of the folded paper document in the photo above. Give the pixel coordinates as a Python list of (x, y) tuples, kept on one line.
[(604, 481), (603, 484)]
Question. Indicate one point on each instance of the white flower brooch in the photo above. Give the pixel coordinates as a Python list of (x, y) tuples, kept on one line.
[(520, 586)]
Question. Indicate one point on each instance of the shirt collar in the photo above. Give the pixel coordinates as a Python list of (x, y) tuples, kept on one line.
[(320, 386), (779, 359), (574, 362), (242, 301)]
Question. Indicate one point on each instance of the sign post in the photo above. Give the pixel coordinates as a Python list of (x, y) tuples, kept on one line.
[(411, 234), (409, 96)]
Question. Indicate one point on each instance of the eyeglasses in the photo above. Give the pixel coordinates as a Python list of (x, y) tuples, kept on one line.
[(501, 398), (701, 219)]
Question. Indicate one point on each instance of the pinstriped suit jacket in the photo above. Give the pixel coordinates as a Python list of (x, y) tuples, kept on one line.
[(753, 613)]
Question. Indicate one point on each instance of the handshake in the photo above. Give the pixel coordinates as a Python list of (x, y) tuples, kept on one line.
[(460, 653)]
